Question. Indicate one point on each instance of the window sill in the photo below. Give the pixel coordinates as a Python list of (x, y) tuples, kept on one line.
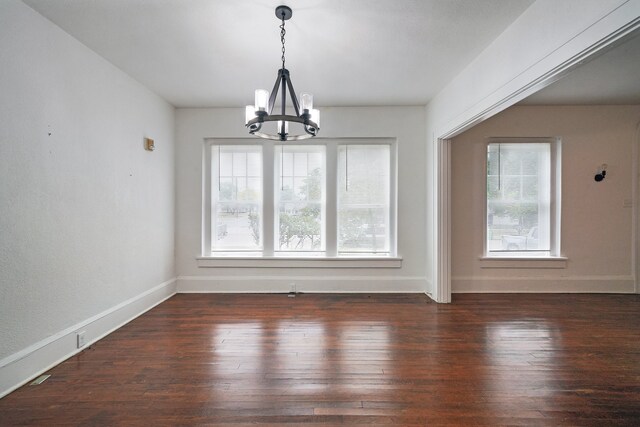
[(298, 262), (523, 262)]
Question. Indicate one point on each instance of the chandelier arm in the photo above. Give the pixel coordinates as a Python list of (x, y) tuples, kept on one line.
[(298, 137), (294, 98), (283, 109), (274, 92), (311, 130), (285, 117), (255, 127), (283, 99), (277, 137)]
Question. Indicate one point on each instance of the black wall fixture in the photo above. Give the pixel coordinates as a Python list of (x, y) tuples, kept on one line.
[(602, 172)]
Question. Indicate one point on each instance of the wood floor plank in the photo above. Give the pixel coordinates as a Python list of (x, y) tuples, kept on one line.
[(485, 360)]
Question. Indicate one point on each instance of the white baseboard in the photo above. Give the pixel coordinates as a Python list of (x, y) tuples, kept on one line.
[(309, 284), (569, 284), (428, 289), (19, 368)]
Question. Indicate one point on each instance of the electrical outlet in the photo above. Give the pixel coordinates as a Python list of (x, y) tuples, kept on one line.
[(81, 339), (292, 288)]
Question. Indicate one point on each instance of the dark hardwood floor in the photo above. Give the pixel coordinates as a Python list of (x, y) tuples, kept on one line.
[(353, 359)]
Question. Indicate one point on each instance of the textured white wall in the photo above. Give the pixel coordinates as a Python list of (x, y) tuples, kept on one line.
[(404, 123), (596, 232), (86, 214)]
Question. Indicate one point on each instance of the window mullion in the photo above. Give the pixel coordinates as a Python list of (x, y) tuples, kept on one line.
[(211, 167), (331, 200), (555, 199), (268, 206), (393, 200)]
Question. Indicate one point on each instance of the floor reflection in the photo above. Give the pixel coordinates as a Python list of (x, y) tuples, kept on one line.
[(520, 361), (239, 361), (364, 349), (353, 359), (300, 356)]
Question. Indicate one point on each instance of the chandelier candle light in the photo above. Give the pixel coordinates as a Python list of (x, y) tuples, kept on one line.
[(256, 115)]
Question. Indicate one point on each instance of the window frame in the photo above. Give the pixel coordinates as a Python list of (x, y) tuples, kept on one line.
[(213, 217), (390, 218), (278, 175), (555, 204), (270, 258)]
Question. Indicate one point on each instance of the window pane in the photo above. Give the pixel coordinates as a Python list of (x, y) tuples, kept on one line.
[(300, 164), (315, 160), (363, 198), (518, 198), (239, 164), (254, 185), (254, 164), (226, 163), (286, 168), (300, 198), (511, 187), (237, 197)]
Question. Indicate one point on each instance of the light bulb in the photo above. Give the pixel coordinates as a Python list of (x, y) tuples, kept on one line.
[(315, 117), (262, 98), (306, 101), (249, 113)]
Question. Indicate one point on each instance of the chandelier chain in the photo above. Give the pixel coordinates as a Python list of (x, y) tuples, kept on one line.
[(282, 34)]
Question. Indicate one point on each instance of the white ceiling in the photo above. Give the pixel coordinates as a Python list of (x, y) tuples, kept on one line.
[(214, 53), (611, 78)]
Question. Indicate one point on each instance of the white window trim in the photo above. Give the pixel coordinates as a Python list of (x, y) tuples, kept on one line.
[(556, 259), (216, 168), (523, 262), (267, 258), (274, 212), (259, 261)]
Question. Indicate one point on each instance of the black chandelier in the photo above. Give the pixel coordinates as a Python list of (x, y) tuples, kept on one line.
[(256, 115)]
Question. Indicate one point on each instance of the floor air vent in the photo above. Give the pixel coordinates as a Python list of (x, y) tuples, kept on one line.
[(40, 379)]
